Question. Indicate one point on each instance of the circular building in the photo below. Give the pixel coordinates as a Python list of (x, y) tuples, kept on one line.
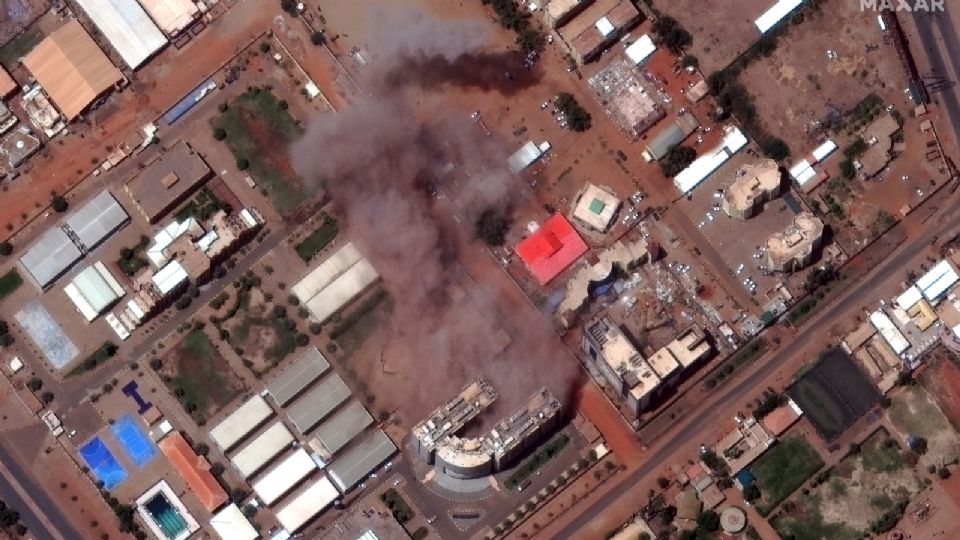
[(733, 520)]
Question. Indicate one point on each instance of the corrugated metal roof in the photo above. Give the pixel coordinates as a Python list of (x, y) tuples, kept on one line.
[(328, 271), (698, 171), (93, 290), (262, 450), (889, 331), (71, 68), (170, 277), (127, 27), (554, 247), (7, 84), (171, 16), (309, 366), (312, 408), (339, 293), (525, 156), (50, 256), (641, 49), (284, 477), (300, 510), (361, 460), (231, 524), (335, 433), (97, 219), (240, 422), (775, 14)]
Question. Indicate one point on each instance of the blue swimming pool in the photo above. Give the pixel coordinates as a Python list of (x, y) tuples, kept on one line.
[(140, 449), (170, 522), (102, 463)]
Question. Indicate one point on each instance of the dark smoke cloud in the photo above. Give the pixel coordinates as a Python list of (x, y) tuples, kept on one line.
[(373, 158)]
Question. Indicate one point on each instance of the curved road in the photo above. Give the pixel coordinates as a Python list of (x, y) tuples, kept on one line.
[(724, 404)]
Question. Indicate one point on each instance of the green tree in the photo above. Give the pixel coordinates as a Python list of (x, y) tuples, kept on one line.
[(243, 164), (671, 34), (317, 38), (676, 160), (59, 204), (219, 134), (6, 248)]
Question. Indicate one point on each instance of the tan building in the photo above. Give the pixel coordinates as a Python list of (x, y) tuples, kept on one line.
[(755, 184), (7, 84), (595, 207), (590, 30), (637, 380), (72, 69), (558, 12), (167, 181), (628, 96), (879, 136), (620, 257), (793, 249)]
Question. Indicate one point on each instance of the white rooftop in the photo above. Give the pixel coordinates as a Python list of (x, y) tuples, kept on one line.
[(127, 27), (889, 331), (775, 14), (299, 511), (93, 290), (701, 168), (170, 277), (641, 49), (230, 524)]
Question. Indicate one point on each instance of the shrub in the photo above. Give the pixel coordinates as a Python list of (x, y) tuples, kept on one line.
[(34, 384), (943, 473), (264, 47), (59, 204), (6, 248), (317, 38), (243, 164), (219, 134), (47, 397), (222, 107), (676, 160)]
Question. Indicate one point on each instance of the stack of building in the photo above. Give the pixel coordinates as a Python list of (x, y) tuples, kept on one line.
[(436, 441), (755, 184), (795, 247), (595, 207), (638, 381), (600, 274), (587, 27), (628, 96)]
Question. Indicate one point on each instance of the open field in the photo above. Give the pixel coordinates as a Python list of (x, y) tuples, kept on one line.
[(823, 85), (199, 376), (942, 380), (834, 394), (261, 331), (314, 243), (19, 46), (913, 412), (783, 469), (259, 131), (854, 495)]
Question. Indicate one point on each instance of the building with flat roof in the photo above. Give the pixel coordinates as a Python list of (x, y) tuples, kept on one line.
[(596, 26), (284, 477), (595, 207), (340, 429), (595, 277), (307, 504), (362, 459), (672, 135), (262, 450), (230, 524), (167, 181), (335, 282), (628, 96), (753, 185), (293, 380), (194, 469), (558, 12), (127, 27), (794, 248), (516, 433), (93, 291), (640, 381), (172, 16), (17, 146), (450, 417), (553, 247), (640, 50), (72, 69), (688, 179), (310, 409), (879, 138), (238, 424)]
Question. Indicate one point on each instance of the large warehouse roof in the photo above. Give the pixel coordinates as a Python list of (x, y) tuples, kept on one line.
[(7, 84), (299, 511), (889, 331), (97, 219), (307, 368), (310, 409), (335, 433), (262, 450), (93, 290), (127, 27), (171, 16), (231, 524), (284, 477), (361, 460), (72, 70), (194, 469), (335, 282), (240, 422), (50, 256), (166, 181)]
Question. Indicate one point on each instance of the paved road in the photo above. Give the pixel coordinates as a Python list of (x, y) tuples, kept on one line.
[(690, 431), (10, 466), (938, 29)]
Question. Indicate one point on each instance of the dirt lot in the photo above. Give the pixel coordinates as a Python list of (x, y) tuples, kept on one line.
[(820, 85), (913, 412), (720, 31), (199, 376), (941, 378), (857, 492)]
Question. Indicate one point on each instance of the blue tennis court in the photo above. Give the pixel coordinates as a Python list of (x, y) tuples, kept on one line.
[(102, 463), (134, 442)]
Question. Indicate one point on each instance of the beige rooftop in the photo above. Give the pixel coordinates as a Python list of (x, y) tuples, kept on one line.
[(797, 241), (754, 183), (71, 68)]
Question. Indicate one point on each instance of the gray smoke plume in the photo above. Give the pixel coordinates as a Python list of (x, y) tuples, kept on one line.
[(375, 157)]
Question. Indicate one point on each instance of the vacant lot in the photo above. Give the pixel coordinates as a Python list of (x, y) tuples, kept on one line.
[(259, 132), (855, 494), (913, 412), (834, 394), (783, 469), (942, 381), (199, 376), (19, 46), (826, 65), (720, 33)]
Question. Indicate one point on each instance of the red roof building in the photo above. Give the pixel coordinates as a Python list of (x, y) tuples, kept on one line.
[(550, 250), (194, 469)]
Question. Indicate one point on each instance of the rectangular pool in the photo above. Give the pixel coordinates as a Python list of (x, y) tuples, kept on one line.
[(166, 517)]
